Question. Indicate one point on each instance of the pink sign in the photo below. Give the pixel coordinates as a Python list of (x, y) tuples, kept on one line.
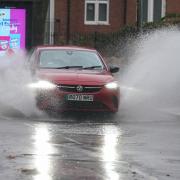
[(12, 29)]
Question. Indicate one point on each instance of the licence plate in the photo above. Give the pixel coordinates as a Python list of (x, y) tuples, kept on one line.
[(79, 97)]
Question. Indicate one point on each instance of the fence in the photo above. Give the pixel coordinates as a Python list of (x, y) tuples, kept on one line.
[(103, 41)]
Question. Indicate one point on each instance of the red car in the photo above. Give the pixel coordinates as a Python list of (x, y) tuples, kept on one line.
[(73, 78)]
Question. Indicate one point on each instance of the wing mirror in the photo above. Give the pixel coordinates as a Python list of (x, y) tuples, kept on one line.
[(114, 69)]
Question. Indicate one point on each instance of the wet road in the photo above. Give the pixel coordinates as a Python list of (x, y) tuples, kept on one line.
[(74, 147)]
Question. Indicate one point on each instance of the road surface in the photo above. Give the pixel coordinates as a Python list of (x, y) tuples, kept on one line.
[(89, 147)]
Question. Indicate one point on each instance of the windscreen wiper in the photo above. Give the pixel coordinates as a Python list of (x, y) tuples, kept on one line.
[(92, 67), (67, 67)]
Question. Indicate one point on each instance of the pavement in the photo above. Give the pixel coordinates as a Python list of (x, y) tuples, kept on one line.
[(89, 147)]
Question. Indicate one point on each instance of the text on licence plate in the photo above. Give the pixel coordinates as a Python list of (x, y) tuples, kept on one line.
[(79, 97)]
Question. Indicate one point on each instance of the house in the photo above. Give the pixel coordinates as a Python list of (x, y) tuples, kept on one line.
[(87, 16)]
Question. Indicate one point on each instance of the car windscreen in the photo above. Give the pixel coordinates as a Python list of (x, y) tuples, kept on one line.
[(69, 58)]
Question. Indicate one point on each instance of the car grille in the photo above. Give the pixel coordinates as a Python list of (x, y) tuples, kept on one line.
[(73, 88), (84, 105)]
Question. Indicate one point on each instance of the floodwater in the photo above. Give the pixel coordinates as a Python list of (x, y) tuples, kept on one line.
[(141, 141)]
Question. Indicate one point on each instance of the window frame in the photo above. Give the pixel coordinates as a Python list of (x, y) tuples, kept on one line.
[(96, 15)]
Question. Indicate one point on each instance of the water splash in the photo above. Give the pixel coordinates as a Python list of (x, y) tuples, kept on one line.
[(15, 98), (151, 81)]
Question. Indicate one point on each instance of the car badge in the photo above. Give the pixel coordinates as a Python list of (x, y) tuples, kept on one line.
[(79, 88)]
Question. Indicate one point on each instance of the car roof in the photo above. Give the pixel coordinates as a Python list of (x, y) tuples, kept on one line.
[(46, 47)]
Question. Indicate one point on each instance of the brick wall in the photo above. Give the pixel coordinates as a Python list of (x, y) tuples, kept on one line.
[(116, 17), (131, 17), (173, 6), (61, 16)]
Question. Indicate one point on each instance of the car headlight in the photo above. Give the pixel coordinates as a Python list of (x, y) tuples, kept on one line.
[(112, 85), (42, 85)]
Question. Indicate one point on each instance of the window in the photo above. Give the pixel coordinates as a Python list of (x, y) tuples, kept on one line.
[(96, 12), (157, 10), (152, 10), (67, 58)]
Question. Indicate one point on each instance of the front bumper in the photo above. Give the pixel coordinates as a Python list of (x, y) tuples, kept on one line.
[(104, 100)]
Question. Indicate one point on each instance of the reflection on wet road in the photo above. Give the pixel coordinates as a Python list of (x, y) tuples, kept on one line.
[(42, 150), (110, 152), (87, 150)]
